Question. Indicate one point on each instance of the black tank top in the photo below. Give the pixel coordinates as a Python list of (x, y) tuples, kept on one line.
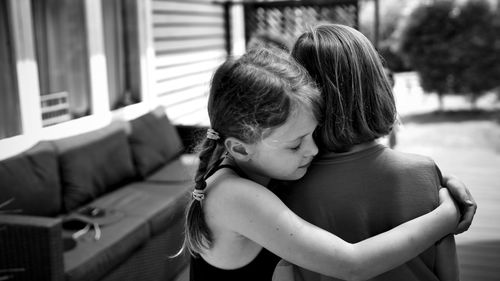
[(260, 268)]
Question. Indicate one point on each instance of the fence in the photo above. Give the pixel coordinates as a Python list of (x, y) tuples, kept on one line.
[(55, 108), (290, 18)]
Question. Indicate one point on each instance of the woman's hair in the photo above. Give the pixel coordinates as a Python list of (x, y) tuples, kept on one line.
[(248, 96), (358, 102)]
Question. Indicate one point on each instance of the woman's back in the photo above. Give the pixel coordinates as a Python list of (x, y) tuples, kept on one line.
[(357, 195)]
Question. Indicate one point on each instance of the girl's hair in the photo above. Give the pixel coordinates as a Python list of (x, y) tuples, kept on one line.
[(269, 40), (358, 102), (248, 96)]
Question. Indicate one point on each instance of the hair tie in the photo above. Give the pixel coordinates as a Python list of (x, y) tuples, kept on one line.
[(198, 194), (212, 134)]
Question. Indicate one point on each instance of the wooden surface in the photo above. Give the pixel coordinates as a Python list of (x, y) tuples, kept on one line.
[(467, 146), (479, 248)]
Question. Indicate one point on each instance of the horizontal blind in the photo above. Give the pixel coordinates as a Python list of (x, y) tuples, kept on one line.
[(189, 41)]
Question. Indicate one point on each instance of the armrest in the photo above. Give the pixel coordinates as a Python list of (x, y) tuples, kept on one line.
[(191, 135), (31, 248)]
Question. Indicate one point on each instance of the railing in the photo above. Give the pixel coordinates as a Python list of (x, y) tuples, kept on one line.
[(55, 108), (290, 18)]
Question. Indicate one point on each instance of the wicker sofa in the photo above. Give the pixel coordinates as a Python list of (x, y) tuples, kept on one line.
[(136, 173)]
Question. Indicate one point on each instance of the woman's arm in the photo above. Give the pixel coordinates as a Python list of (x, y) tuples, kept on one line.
[(461, 194), (256, 213)]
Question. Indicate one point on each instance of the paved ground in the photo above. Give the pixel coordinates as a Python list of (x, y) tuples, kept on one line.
[(469, 149)]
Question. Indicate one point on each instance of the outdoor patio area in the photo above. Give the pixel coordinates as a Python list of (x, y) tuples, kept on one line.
[(104, 105), (466, 145)]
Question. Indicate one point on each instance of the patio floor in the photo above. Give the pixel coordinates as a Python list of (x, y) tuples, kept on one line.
[(469, 149)]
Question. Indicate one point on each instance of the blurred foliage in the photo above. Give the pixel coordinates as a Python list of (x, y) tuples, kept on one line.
[(453, 46), (391, 12), (392, 58), (425, 42)]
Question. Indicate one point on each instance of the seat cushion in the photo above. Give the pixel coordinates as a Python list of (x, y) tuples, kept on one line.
[(181, 169), (158, 204), (154, 261), (91, 260), (170, 203), (154, 141), (31, 175), (94, 163)]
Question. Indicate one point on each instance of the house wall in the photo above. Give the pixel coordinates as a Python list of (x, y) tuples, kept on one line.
[(180, 45), (190, 42)]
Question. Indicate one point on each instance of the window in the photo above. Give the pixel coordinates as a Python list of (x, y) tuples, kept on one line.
[(122, 54), (10, 117), (61, 51)]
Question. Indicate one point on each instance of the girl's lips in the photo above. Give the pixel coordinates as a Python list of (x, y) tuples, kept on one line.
[(306, 165)]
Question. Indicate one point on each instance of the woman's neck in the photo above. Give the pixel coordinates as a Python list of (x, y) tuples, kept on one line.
[(361, 146)]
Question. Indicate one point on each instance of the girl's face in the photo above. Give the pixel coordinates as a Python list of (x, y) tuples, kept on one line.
[(287, 152)]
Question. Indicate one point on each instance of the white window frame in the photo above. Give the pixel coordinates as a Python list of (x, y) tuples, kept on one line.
[(29, 86)]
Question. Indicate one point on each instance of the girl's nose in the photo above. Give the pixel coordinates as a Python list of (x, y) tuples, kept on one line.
[(311, 147)]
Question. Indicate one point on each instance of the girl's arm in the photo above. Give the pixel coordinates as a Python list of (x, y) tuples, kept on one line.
[(256, 213)]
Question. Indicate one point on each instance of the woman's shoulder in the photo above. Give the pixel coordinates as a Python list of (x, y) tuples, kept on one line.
[(410, 160)]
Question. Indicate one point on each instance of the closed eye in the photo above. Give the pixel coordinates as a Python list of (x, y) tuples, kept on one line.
[(295, 148)]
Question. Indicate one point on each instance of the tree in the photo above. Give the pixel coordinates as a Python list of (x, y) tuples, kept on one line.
[(391, 12), (425, 42), (476, 50), (453, 47), (496, 30)]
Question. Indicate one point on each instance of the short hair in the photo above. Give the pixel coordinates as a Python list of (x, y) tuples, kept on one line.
[(359, 104)]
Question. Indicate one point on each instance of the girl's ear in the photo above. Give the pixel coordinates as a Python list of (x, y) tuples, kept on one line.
[(238, 149)]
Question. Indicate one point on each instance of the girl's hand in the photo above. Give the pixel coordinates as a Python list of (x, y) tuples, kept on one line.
[(450, 207)]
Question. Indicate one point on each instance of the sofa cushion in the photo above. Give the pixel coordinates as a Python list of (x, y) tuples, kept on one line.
[(94, 163), (154, 141), (30, 181), (131, 241), (178, 170), (171, 207), (154, 260), (92, 259), (158, 204)]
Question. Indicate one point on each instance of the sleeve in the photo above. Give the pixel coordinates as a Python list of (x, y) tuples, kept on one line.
[(440, 175), (446, 266)]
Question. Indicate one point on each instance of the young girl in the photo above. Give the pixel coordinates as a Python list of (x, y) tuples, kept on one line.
[(263, 110), (374, 187)]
